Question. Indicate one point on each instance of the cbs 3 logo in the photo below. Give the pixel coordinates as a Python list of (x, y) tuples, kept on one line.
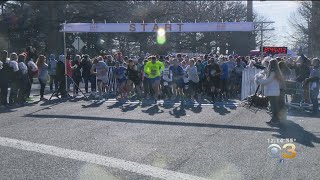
[(274, 150)]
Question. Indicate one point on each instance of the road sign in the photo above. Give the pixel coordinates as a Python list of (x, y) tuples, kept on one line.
[(78, 44)]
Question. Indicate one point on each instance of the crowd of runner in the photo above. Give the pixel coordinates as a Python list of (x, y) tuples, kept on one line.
[(177, 77)]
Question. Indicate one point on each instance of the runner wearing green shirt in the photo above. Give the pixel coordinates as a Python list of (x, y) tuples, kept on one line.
[(153, 69)]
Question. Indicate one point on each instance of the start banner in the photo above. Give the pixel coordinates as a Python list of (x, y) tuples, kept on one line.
[(154, 27)]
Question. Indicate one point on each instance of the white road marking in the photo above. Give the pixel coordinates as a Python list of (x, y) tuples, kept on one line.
[(161, 102), (134, 167)]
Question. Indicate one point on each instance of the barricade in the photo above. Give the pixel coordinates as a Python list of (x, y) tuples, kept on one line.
[(248, 86)]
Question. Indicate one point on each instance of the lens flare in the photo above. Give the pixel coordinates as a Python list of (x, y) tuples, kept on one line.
[(161, 36), (161, 32)]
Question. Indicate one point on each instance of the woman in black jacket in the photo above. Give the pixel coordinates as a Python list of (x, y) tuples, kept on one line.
[(86, 66)]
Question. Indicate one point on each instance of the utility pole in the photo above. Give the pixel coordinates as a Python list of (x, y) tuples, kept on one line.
[(262, 26)]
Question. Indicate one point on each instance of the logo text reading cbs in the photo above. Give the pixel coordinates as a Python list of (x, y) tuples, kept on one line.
[(288, 151)]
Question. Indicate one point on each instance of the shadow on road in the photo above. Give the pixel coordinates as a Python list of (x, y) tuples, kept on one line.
[(194, 109), (303, 114), (178, 112), (170, 123), (220, 109), (93, 105), (289, 129), (116, 105), (130, 107), (153, 110)]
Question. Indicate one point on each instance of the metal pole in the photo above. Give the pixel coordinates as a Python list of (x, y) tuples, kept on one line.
[(78, 45), (261, 54), (65, 59)]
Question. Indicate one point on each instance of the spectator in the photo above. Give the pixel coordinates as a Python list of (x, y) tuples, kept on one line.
[(61, 77), (86, 65), (13, 98), (193, 78), (52, 72), (43, 75), (22, 79), (4, 82), (272, 83), (76, 74), (314, 82)]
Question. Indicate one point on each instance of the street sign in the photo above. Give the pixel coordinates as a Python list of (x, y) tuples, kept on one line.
[(78, 44)]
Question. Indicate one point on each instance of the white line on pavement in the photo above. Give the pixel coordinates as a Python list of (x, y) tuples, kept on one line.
[(134, 167), (162, 103)]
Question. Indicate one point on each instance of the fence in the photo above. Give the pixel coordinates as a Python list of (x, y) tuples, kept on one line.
[(111, 79), (248, 86)]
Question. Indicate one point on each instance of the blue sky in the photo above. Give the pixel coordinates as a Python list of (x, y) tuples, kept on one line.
[(279, 12)]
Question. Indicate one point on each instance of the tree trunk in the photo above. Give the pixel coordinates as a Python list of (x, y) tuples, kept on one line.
[(54, 38)]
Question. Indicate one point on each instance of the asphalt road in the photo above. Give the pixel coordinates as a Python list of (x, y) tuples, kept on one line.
[(79, 139)]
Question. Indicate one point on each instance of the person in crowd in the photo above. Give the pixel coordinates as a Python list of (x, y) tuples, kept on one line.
[(185, 79), (76, 74), (22, 79), (32, 69), (52, 72), (166, 81), (120, 74), (86, 65), (314, 82), (231, 66), (153, 68), (69, 71), (272, 83), (177, 82), (302, 72), (238, 75), (101, 73), (213, 74), (119, 57), (42, 75), (110, 61), (201, 75), (4, 82), (193, 78), (61, 78), (146, 82), (205, 59), (225, 80), (133, 78), (291, 65), (13, 98), (251, 64), (285, 70)]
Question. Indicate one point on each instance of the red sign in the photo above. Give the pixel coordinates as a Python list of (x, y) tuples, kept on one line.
[(275, 50)]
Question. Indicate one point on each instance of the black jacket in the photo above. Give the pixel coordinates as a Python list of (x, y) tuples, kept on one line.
[(86, 67), (60, 71), (5, 74), (303, 72)]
